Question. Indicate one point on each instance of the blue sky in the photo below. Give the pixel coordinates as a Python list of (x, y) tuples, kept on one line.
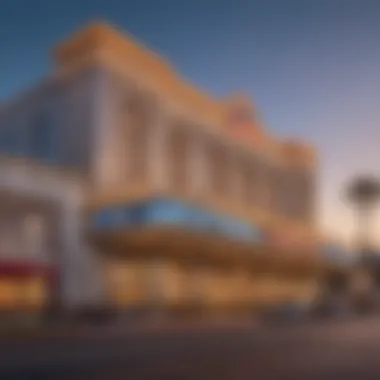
[(311, 67)]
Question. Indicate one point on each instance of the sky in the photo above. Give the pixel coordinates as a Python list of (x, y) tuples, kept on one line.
[(311, 67)]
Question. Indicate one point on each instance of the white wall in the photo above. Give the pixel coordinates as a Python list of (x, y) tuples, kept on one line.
[(82, 274)]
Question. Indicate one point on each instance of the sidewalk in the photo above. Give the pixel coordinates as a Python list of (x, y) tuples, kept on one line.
[(195, 325), (141, 328)]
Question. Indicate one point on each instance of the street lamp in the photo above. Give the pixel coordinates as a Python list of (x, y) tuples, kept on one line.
[(364, 194)]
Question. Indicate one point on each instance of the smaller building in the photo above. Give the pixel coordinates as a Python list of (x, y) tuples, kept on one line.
[(351, 283), (44, 260)]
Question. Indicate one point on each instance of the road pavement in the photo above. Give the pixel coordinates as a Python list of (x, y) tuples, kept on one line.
[(334, 350)]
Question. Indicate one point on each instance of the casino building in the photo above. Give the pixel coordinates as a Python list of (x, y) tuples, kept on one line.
[(128, 187)]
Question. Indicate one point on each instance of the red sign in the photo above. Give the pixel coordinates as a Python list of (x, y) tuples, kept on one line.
[(26, 269)]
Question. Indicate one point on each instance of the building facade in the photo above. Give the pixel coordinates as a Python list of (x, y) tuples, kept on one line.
[(43, 259), (185, 200)]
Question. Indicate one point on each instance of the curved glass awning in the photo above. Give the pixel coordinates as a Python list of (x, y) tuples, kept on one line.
[(166, 228), (167, 212)]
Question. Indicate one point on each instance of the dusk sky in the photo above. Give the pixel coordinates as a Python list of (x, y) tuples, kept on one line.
[(312, 67)]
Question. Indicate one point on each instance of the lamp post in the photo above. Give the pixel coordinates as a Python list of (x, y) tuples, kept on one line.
[(364, 194)]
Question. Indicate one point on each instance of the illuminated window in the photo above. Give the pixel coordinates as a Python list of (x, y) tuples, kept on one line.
[(32, 293), (123, 282), (8, 294)]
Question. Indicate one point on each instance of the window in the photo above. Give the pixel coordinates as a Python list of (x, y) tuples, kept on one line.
[(247, 180), (138, 159), (138, 215), (285, 193), (266, 186), (137, 135), (8, 293), (307, 194), (259, 182), (35, 293), (11, 141), (42, 137), (178, 146), (299, 192), (218, 164), (10, 246)]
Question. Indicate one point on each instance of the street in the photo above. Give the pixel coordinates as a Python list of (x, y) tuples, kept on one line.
[(333, 350)]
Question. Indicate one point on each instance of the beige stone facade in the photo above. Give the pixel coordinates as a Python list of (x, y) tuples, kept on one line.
[(157, 132), (134, 129)]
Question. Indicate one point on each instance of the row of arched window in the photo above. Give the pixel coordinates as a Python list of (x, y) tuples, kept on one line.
[(35, 136), (226, 172)]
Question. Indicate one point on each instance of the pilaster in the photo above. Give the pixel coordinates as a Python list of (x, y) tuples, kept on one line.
[(198, 164), (158, 149)]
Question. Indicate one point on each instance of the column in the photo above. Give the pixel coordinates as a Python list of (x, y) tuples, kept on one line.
[(234, 176), (309, 196), (157, 149), (82, 273), (276, 189), (198, 164), (104, 158), (265, 185)]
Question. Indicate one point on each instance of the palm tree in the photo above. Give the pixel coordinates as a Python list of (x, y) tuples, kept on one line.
[(364, 194)]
